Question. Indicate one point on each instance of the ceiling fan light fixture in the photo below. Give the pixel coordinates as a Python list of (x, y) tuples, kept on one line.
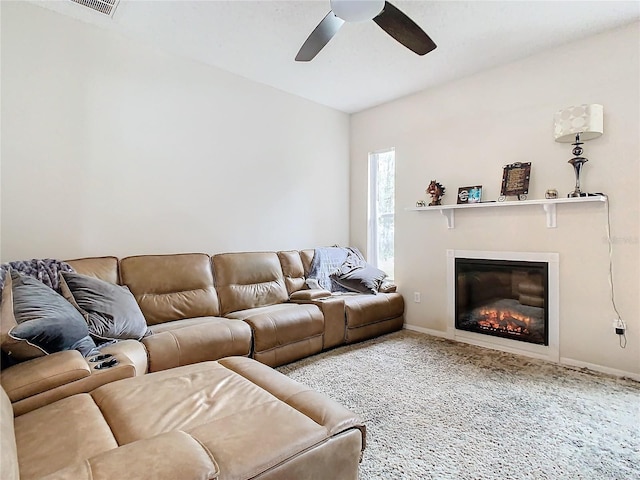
[(356, 10), (395, 23)]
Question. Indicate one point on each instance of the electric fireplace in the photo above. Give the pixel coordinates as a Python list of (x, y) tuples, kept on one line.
[(503, 298), (522, 292)]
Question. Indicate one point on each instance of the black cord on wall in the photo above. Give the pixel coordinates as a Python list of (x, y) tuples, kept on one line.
[(620, 327)]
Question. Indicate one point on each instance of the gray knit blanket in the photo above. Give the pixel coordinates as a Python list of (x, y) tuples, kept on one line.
[(47, 270)]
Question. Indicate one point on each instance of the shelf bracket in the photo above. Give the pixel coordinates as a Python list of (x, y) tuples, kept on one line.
[(450, 217), (550, 209)]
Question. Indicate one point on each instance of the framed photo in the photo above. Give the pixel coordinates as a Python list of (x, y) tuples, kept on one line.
[(515, 179), (470, 194)]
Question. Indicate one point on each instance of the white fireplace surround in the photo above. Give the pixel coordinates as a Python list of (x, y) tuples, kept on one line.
[(549, 352)]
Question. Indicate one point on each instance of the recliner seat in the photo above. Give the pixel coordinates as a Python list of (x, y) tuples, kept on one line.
[(251, 288)]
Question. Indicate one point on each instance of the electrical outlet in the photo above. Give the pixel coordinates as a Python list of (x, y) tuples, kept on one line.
[(416, 297), (619, 326)]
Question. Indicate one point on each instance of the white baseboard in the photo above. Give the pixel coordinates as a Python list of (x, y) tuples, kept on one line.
[(428, 331), (563, 360), (599, 368)]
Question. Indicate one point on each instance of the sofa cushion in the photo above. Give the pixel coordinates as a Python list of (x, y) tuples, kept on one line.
[(104, 268), (172, 396), (182, 457), (44, 321), (248, 280), (284, 333), (287, 327), (335, 420), (361, 310), (111, 311), (193, 340), (293, 270), (369, 316), (171, 287), (59, 434), (307, 259), (242, 314)]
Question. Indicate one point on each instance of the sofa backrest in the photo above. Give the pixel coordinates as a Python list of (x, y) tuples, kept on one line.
[(307, 259), (293, 270), (248, 280), (171, 287), (8, 449), (104, 268)]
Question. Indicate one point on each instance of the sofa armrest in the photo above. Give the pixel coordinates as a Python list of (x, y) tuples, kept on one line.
[(133, 350), (332, 307), (125, 368), (308, 295), (170, 455), (388, 287), (43, 373)]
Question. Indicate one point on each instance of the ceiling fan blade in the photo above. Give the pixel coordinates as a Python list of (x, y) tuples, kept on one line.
[(325, 30), (404, 30)]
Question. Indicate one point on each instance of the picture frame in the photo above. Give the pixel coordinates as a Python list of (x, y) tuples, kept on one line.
[(515, 179), (472, 194)]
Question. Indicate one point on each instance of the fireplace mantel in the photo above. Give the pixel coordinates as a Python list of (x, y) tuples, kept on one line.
[(548, 205)]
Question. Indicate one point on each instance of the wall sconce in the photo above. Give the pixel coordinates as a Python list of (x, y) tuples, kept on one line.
[(578, 124)]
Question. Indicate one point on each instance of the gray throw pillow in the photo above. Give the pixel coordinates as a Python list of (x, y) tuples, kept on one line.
[(110, 310), (45, 320), (356, 275)]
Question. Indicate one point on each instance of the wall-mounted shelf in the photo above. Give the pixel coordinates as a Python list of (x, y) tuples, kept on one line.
[(548, 205)]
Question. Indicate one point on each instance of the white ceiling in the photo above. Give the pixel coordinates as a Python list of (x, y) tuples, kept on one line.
[(361, 66)]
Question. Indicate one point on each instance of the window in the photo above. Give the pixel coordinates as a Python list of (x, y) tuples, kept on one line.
[(382, 176)]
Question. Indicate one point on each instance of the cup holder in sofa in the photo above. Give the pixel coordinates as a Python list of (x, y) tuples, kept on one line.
[(99, 358), (108, 364)]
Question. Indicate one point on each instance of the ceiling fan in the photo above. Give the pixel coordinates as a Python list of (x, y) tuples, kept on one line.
[(388, 17)]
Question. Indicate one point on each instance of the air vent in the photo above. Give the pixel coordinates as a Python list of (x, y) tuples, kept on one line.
[(108, 7)]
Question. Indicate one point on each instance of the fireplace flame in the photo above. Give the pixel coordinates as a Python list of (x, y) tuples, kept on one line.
[(507, 321)]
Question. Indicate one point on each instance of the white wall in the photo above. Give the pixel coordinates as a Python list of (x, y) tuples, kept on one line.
[(111, 147), (463, 133)]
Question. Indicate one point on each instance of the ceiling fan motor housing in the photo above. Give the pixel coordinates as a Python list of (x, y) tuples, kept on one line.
[(356, 10)]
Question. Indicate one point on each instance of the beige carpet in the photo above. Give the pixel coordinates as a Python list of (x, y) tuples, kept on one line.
[(437, 409)]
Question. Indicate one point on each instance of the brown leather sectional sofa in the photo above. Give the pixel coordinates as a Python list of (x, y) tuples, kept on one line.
[(201, 414)]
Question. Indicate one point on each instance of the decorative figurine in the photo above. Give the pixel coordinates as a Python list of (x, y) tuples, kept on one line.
[(551, 193), (421, 203), (436, 190)]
